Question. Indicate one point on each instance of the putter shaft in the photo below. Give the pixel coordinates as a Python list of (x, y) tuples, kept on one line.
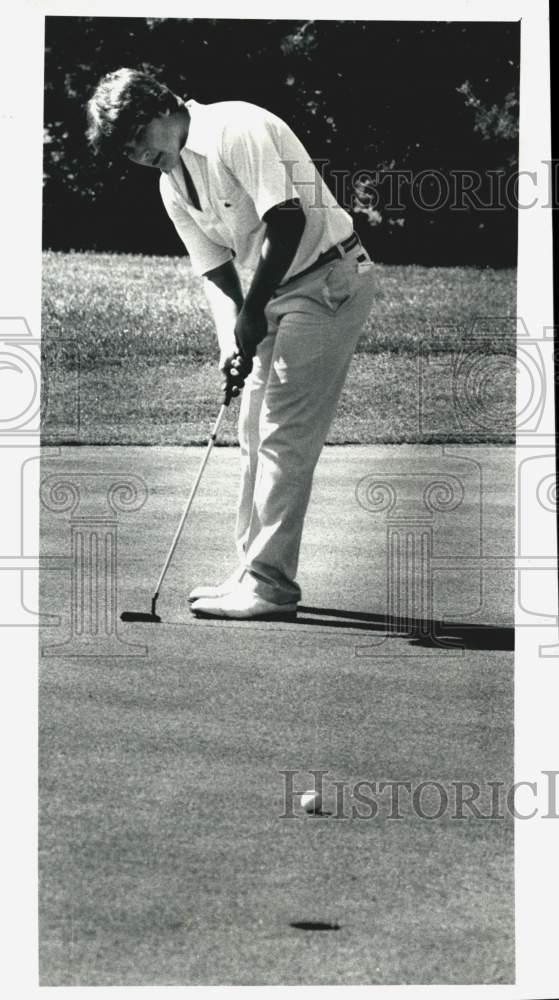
[(178, 532)]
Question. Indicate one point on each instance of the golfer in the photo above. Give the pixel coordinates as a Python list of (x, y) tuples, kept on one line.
[(240, 188)]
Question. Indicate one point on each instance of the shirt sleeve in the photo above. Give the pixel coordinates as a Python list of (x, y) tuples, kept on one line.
[(203, 252), (262, 152)]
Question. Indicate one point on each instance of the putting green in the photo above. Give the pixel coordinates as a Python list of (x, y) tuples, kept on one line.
[(167, 856)]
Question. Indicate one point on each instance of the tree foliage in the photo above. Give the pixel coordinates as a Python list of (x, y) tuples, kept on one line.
[(365, 97)]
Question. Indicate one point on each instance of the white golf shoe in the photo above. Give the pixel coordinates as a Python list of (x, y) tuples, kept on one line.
[(241, 604), (220, 590)]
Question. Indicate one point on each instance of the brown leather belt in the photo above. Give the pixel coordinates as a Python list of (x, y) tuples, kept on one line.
[(334, 253)]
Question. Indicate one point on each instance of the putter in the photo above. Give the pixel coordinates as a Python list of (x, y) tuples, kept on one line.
[(152, 616)]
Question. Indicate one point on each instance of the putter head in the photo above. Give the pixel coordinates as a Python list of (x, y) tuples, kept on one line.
[(139, 616)]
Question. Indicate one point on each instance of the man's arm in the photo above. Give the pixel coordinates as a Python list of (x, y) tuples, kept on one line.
[(285, 225), (225, 298), (241, 324)]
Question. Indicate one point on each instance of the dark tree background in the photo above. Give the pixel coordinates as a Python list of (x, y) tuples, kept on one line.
[(363, 96)]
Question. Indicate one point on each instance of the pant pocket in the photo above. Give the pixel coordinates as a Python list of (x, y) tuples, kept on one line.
[(337, 287)]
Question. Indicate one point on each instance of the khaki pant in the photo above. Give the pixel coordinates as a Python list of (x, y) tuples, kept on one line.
[(287, 407)]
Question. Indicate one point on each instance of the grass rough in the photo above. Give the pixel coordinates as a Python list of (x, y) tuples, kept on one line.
[(129, 354)]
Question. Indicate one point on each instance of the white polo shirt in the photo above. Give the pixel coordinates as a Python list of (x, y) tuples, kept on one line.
[(243, 161)]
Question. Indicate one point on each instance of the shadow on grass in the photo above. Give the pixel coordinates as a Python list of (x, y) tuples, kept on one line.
[(420, 632)]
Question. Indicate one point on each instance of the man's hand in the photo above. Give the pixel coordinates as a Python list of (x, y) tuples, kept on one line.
[(251, 327), (235, 369), (236, 361)]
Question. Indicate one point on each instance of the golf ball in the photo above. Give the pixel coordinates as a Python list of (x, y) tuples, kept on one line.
[(311, 802)]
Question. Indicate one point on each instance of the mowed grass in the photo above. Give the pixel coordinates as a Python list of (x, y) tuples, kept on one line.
[(165, 857), (129, 355)]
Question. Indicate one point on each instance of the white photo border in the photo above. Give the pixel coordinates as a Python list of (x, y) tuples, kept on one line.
[(536, 677)]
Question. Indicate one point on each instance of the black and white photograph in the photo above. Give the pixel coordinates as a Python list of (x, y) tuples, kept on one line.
[(279, 514)]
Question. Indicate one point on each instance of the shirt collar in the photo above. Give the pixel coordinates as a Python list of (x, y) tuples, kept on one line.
[(198, 134)]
